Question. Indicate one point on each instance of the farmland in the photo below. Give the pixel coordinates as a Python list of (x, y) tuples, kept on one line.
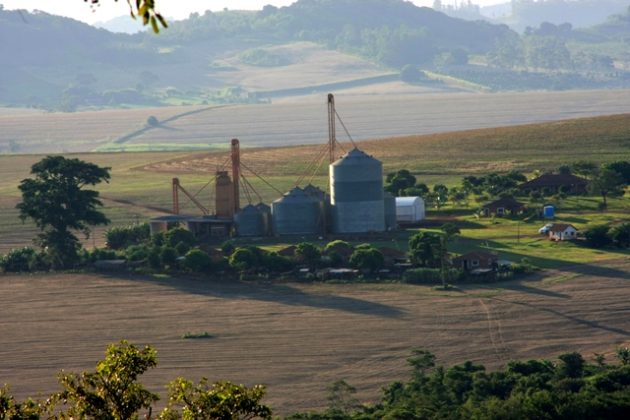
[(295, 121), (297, 339)]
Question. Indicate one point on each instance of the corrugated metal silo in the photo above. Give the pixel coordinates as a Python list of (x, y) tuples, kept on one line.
[(296, 213), (250, 222), (265, 213), (356, 185), (390, 211)]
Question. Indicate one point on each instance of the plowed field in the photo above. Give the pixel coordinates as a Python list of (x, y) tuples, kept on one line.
[(298, 338)]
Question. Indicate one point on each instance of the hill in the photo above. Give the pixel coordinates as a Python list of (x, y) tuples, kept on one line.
[(240, 56)]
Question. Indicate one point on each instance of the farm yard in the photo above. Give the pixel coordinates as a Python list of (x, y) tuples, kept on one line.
[(295, 121), (299, 338)]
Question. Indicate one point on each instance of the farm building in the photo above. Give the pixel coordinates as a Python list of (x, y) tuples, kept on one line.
[(410, 209), (566, 183), (503, 207), (476, 260), (562, 232)]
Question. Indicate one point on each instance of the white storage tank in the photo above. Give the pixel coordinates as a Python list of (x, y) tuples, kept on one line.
[(410, 209), (356, 186)]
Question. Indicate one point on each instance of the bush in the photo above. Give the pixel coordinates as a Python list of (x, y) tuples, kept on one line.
[(227, 248), (620, 235), (174, 236), (137, 253), (276, 263), (368, 259), (154, 259), (197, 261), (124, 237), (17, 260), (168, 255), (432, 275), (98, 254), (597, 236), (243, 259), (307, 253), (182, 248)]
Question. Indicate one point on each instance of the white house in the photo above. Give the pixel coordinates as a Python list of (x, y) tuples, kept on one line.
[(409, 209), (562, 232)]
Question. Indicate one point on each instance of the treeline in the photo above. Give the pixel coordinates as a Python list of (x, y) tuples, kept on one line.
[(569, 388)]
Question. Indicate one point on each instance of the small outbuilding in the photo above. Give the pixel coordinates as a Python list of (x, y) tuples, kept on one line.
[(562, 232), (503, 207), (476, 260), (410, 209)]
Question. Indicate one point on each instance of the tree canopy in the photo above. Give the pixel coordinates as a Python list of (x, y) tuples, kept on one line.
[(145, 10), (56, 200)]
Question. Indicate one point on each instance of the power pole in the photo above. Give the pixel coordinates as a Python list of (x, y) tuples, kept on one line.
[(236, 173), (332, 132)]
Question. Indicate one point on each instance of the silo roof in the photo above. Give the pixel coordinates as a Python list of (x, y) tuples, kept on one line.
[(356, 157), (296, 195)]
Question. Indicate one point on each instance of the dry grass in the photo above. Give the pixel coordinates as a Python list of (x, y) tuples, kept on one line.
[(296, 338)]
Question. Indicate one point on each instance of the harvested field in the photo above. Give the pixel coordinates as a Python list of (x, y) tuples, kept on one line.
[(298, 338), (302, 121)]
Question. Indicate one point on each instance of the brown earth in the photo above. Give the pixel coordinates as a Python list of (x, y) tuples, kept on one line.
[(298, 338)]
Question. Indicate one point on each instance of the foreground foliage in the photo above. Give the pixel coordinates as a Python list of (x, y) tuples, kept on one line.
[(536, 389)]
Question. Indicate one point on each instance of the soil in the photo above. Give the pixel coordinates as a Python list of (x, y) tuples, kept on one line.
[(299, 338)]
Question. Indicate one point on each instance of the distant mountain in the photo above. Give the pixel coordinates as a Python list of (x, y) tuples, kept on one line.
[(121, 25), (59, 63)]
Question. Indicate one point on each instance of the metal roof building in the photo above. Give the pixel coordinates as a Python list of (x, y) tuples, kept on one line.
[(410, 209)]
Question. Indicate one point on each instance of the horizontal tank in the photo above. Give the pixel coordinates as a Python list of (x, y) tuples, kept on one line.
[(357, 197), (250, 222), (297, 213)]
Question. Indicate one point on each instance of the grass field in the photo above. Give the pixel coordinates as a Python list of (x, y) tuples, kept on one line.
[(299, 338)]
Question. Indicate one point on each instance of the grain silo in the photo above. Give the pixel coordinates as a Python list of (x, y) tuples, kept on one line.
[(356, 185), (249, 222), (297, 213), (265, 213)]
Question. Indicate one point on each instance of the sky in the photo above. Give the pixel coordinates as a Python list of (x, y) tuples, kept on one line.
[(174, 9)]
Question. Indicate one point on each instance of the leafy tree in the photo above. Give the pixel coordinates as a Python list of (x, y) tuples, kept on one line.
[(584, 168), (111, 392), (197, 261), (307, 253), (597, 236), (622, 168), (398, 181), (450, 230), (125, 236), (607, 183), (341, 398), (11, 409), (55, 199), (168, 256), (180, 235), (418, 190), (441, 192), (623, 353), (410, 74), (244, 259), (276, 263), (425, 249), (370, 259), (620, 235)]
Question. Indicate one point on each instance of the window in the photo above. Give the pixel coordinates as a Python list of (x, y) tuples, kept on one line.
[(474, 263)]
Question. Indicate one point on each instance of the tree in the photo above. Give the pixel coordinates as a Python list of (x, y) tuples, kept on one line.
[(584, 168), (145, 9), (307, 253), (197, 261), (221, 400), (620, 235), (607, 183), (111, 392), (424, 249), (55, 199), (441, 192), (398, 181), (369, 259), (622, 167), (597, 236)]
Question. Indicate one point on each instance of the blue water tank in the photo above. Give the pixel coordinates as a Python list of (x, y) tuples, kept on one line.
[(549, 212)]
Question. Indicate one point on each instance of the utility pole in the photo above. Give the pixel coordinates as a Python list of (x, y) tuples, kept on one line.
[(236, 173), (332, 136)]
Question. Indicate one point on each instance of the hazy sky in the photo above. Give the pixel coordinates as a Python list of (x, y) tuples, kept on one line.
[(178, 9)]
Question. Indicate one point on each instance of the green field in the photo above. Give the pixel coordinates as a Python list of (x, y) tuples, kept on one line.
[(140, 184)]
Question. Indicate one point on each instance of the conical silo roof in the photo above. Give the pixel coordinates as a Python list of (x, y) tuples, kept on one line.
[(356, 157)]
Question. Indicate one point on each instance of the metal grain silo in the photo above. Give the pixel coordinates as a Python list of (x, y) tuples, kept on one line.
[(265, 213), (356, 185), (250, 222), (390, 211), (224, 197), (297, 213)]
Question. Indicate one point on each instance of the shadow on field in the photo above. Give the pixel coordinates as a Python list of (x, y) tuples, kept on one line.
[(281, 293), (569, 267), (520, 287), (584, 322)]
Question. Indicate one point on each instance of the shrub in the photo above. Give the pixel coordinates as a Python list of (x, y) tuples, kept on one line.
[(197, 261), (276, 263), (174, 236), (338, 246), (307, 253), (597, 236), (368, 259), (17, 260), (432, 275), (227, 248), (620, 235), (98, 254), (137, 253), (182, 248), (243, 259), (168, 255), (123, 237), (154, 259)]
